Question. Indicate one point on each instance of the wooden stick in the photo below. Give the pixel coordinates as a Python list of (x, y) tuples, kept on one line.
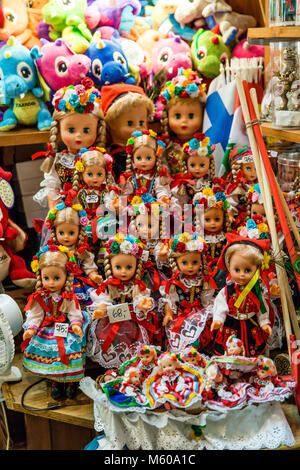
[(270, 213)]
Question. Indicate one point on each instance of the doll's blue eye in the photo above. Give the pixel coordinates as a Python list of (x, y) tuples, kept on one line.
[(191, 116), (195, 262), (141, 123), (202, 165), (130, 123), (237, 270), (86, 130), (178, 116), (184, 263), (129, 267), (99, 174), (248, 270), (139, 158), (148, 158), (118, 267), (56, 278), (71, 130)]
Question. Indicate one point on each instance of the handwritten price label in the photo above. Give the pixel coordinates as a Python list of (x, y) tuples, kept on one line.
[(119, 312), (145, 255), (92, 199), (61, 329)]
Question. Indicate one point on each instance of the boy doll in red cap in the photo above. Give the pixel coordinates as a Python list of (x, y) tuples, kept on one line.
[(240, 308), (126, 109)]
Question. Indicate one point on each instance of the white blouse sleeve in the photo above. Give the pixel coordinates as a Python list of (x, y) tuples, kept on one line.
[(220, 308), (75, 314), (34, 317), (88, 264), (51, 187), (161, 189), (101, 299)]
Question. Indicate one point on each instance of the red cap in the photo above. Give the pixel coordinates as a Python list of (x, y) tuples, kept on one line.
[(233, 238), (110, 92)]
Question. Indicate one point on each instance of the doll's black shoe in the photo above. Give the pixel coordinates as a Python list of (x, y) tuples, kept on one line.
[(71, 389), (57, 390)]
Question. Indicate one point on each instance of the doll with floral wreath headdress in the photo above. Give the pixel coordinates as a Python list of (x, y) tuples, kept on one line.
[(131, 385), (67, 224), (183, 100), (144, 171), (78, 122), (145, 360), (190, 355), (241, 176), (93, 181), (60, 359), (112, 341), (187, 296)]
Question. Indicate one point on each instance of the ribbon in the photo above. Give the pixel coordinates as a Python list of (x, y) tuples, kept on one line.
[(181, 178), (182, 316), (247, 289), (165, 173), (124, 177), (48, 153), (175, 281), (149, 266)]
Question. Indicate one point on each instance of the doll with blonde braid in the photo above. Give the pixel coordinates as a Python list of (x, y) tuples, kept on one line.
[(60, 359), (191, 355), (93, 181), (77, 122), (183, 100), (67, 226), (131, 385), (144, 172), (187, 296), (111, 341), (145, 360)]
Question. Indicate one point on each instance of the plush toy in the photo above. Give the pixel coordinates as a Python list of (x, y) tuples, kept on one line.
[(162, 10), (245, 50), (67, 20), (108, 62), (59, 66), (119, 14), (170, 54), (15, 22), (12, 239), (232, 25), (147, 41), (190, 13), (35, 17), (21, 89), (208, 52)]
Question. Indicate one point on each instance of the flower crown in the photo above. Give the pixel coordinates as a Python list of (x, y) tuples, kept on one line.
[(83, 98), (83, 219), (233, 339), (241, 154), (71, 264), (199, 145), (185, 85), (186, 243), (144, 204), (168, 354), (79, 165), (254, 228), (211, 198), (126, 244), (254, 195), (263, 365), (189, 352), (145, 349), (156, 144)]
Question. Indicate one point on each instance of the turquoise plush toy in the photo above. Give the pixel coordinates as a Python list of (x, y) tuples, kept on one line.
[(66, 18), (208, 52), (19, 88)]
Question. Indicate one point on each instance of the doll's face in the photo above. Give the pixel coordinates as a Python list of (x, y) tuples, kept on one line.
[(53, 278), (190, 263), (147, 226), (193, 360), (148, 358), (287, 174), (78, 131), (67, 234), (185, 119), (198, 165), (123, 266), (135, 379), (241, 269), (122, 126), (234, 350), (213, 220), (94, 175), (168, 366), (260, 210), (144, 158), (249, 172), (263, 374)]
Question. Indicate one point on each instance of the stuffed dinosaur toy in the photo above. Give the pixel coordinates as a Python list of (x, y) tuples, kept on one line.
[(208, 52), (15, 21), (109, 64), (12, 239), (35, 16), (120, 14), (66, 18), (20, 88), (59, 66)]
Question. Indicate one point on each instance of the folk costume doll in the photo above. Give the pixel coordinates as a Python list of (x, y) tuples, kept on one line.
[(242, 175), (145, 361), (67, 227), (93, 181), (172, 383), (197, 170), (211, 210), (187, 297), (240, 307), (191, 355), (126, 108), (111, 341), (144, 172), (183, 101), (131, 385), (60, 359), (77, 122)]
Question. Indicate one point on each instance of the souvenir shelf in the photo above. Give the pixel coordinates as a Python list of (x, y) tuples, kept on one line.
[(23, 136)]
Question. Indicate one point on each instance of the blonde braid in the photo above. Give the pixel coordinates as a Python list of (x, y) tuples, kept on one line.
[(165, 124), (138, 274), (212, 168), (80, 241), (76, 181), (101, 134), (38, 285), (227, 221), (129, 163), (53, 140), (113, 293), (66, 305)]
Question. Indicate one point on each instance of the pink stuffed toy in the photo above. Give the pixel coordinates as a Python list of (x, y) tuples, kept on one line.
[(12, 239), (60, 66), (244, 50)]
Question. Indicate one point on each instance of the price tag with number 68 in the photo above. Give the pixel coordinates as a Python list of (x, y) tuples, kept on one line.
[(61, 329), (119, 312)]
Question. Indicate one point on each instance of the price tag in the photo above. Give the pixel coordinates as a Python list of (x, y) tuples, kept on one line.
[(61, 329), (145, 255), (119, 312), (92, 198), (67, 161)]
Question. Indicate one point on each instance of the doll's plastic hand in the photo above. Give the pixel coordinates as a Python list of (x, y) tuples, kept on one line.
[(274, 290), (95, 277), (29, 333), (168, 315), (231, 216), (216, 325), (77, 330), (267, 329), (100, 312), (116, 204), (144, 304), (163, 252)]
